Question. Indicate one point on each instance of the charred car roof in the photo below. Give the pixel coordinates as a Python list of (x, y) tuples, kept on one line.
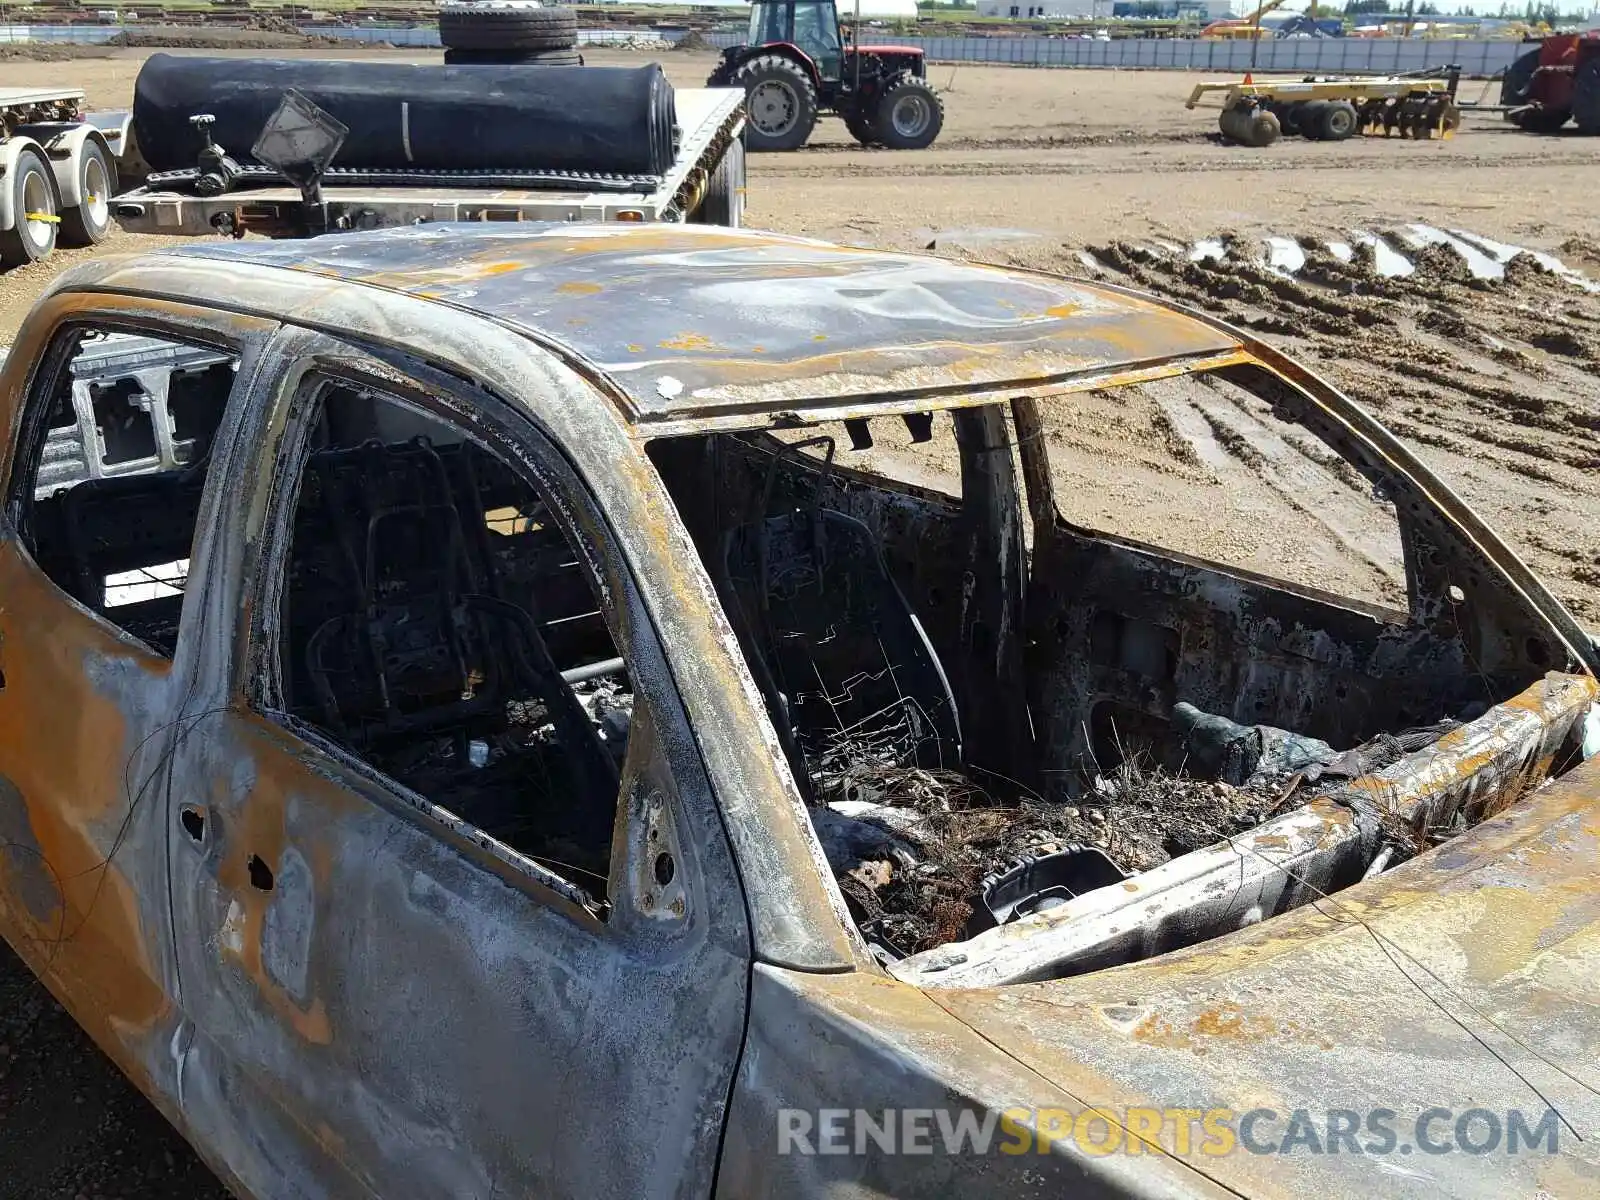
[(698, 321)]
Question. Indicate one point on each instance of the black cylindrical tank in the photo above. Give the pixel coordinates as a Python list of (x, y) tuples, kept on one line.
[(612, 120)]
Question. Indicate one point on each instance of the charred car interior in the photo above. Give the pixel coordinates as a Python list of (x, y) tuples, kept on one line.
[(435, 621), (1031, 749), (437, 624)]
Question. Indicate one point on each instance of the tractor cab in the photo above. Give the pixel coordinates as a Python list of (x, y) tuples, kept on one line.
[(796, 66), (810, 27)]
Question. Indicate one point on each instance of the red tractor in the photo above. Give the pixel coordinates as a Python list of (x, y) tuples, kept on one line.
[(796, 66), (1558, 80)]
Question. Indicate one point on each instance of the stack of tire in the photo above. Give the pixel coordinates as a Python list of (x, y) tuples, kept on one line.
[(509, 33)]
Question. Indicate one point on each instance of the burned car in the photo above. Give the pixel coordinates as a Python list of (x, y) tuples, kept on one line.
[(571, 709)]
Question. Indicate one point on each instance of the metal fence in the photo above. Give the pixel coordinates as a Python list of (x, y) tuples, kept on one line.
[(1330, 55)]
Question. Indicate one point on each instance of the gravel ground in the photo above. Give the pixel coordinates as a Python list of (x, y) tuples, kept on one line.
[(70, 1125), (1495, 385)]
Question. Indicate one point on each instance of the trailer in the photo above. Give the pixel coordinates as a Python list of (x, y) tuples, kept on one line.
[(1329, 108), (59, 169), (698, 172)]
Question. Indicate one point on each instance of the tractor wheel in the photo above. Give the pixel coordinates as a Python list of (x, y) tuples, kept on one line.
[(910, 115), (1541, 120), (508, 27), (1337, 121), (1514, 84), (723, 203), (513, 58), (1586, 97), (780, 102), (862, 129)]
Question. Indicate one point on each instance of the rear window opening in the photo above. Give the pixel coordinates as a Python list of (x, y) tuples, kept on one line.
[(117, 468), (1022, 709)]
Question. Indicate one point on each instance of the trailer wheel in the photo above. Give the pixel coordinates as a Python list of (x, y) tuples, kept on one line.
[(724, 199), (88, 223), (1337, 121), (1289, 117), (1586, 97), (508, 28), (1310, 122), (32, 235)]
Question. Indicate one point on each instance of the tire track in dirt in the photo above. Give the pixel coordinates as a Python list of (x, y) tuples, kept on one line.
[(1492, 381), (848, 162)]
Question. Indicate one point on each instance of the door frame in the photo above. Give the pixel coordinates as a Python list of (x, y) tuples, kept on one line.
[(269, 455)]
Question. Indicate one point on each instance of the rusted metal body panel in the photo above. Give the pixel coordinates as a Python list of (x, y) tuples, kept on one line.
[(858, 1041), (694, 321), (405, 1010), (1458, 980)]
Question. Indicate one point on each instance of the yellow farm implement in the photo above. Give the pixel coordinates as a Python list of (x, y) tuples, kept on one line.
[(1330, 109)]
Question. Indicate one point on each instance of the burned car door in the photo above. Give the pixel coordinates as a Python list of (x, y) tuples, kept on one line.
[(107, 502), (451, 895)]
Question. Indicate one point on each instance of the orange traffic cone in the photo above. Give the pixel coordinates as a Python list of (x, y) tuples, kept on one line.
[(1247, 79)]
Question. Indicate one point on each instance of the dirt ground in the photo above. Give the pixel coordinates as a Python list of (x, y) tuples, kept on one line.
[(1494, 384)]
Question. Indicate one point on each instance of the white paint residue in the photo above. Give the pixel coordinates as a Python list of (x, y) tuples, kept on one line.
[(1284, 255), (1343, 251), (405, 128), (669, 388), (1171, 247), (1090, 261), (1207, 248), (232, 935), (1388, 261), (180, 1052)]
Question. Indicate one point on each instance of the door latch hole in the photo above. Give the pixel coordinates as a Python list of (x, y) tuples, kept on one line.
[(194, 823), (260, 874)]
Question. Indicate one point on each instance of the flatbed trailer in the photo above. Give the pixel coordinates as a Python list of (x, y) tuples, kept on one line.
[(1333, 108), (704, 184), (59, 169)]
